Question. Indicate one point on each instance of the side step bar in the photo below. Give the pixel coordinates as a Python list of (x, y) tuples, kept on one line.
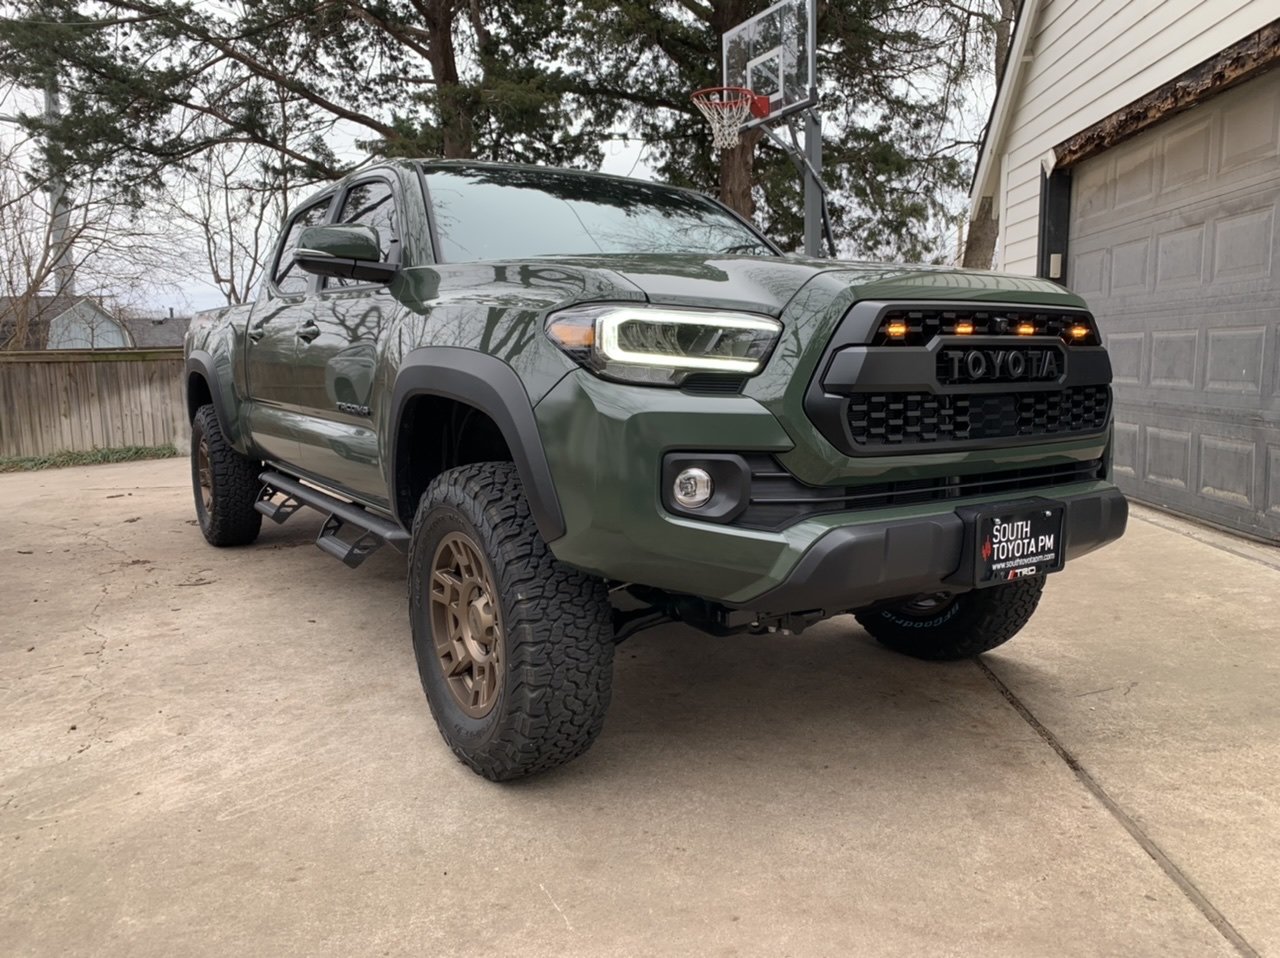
[(375, 531)]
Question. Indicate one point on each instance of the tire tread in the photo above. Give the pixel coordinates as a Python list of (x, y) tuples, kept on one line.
[(233, 520), (988, 618), (557, 623)]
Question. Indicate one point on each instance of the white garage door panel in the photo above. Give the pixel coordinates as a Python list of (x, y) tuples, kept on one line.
[(1175, 244)]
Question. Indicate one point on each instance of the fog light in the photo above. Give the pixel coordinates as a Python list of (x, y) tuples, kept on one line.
[(693, 488)]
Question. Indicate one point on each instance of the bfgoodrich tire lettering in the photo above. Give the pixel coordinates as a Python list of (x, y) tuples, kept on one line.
[(958, 627), (225, 483), (553, 623)]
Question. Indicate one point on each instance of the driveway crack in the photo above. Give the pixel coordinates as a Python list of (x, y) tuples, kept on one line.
[(1145, 841)]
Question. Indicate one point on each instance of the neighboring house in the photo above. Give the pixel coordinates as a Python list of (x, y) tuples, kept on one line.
[(1133, 154), (157, 332), (86, 325), (61, 322), (24, 320)]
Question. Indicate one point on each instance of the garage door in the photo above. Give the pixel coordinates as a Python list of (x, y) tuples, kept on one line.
[(1175, 244)]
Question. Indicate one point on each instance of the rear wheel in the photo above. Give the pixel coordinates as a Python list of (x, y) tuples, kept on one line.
[(944, 626), (514, 648), (225, 483)]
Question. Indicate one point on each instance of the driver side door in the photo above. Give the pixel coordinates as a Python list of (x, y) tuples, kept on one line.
[(271, 342)]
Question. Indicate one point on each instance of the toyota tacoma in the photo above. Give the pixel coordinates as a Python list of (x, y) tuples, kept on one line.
[(585, 405)]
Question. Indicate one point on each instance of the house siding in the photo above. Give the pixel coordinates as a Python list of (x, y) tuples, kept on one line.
[(1089, 58)]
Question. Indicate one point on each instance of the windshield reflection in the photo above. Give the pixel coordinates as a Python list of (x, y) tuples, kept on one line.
[(491, 213)]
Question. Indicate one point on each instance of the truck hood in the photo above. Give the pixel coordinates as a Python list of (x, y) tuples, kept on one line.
[(765, 284)]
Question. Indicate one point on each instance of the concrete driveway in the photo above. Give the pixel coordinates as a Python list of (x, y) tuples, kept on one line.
[(221, 753)]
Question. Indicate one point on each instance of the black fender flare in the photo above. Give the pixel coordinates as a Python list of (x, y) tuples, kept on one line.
[(203, 363), (491, 386)]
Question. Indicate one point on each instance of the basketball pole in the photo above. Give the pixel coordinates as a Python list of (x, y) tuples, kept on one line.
[(813, 193)]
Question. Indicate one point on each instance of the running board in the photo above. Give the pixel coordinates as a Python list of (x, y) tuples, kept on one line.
[(374, 530)]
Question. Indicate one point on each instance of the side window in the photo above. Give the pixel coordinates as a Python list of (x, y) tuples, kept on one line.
[(288, 278), (371, 204)]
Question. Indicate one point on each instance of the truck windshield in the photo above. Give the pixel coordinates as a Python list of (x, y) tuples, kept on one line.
[(487, 213)]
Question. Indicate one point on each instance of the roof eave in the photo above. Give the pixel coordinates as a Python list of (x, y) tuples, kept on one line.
[(993, 139)]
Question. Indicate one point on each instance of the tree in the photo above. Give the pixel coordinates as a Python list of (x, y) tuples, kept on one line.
[(152, 86), (980, 241), (59, 244), (456, 78), (232, 204), (890, 75), (231, 200)]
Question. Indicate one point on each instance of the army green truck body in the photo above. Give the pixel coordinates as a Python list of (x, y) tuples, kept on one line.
[(586, 405)]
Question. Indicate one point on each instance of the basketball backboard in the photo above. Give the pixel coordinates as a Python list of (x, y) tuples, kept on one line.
[(775, 54)]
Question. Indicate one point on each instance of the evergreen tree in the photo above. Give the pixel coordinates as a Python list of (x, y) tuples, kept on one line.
[(890, 75), (149, 85)]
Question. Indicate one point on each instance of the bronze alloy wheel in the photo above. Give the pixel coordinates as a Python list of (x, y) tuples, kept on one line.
[(205, 471), (465, 624)]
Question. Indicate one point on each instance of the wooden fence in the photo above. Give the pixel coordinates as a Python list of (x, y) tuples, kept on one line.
[(64, 400)]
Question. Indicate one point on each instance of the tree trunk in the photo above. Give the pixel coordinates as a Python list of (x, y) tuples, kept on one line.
[(1004, 27), (980, 244), (737, 174), (737, 165), (984, 229), (452, 99)]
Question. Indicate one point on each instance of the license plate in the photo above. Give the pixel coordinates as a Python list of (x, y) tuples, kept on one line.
[(1013, 542)]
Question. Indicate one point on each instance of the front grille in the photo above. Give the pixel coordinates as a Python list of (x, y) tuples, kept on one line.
[(778, 499), (911, 418), (923, 324)]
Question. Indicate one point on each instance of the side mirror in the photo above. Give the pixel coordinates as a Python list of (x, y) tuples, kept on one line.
[(350, 252)]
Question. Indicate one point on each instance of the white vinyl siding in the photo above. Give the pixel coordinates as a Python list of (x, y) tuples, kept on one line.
[(1089, 58), (84, 326)]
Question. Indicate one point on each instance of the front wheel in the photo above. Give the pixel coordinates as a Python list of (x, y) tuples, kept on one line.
[(225, 483), (514, 648), (944, 627)]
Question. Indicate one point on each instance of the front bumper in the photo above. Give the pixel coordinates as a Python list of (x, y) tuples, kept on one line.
[(605, 443), (857, 565)]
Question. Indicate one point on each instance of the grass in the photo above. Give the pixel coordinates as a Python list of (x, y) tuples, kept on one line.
[(94, 457)]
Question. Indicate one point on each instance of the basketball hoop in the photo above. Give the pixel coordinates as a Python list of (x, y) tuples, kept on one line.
[(726, 109)]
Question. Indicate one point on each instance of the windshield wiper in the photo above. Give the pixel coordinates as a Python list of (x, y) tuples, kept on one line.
[(745, 248)]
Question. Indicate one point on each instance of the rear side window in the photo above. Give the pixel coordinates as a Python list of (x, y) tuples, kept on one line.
[(288, 278), (371, 204)]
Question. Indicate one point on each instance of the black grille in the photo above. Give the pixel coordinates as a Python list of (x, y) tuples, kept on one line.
[(923, 324), (778, 499), (902, 418)]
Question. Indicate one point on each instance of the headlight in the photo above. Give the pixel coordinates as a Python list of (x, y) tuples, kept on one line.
[(660, 346)]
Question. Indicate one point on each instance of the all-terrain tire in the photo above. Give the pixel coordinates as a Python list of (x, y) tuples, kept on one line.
[(966, 625), (554, 628), (224, 505)]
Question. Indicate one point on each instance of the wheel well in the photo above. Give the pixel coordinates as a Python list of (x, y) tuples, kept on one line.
[(198, 394), (435, 434)]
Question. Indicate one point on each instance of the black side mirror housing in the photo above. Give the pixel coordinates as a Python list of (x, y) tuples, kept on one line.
[(351, 251)]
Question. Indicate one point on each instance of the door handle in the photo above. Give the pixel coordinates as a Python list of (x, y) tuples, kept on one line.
[(256, 333), (308, 331)]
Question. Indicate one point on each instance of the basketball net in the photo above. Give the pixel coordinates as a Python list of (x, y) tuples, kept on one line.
[(726, 108)]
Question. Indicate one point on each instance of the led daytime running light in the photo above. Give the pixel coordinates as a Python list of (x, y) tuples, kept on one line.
[(608, 338)]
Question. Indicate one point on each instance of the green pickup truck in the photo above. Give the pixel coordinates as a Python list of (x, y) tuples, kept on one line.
[(585, 405)]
